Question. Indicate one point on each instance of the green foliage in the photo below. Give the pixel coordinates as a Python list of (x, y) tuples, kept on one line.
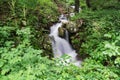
[(72, 3), (96, 4), (99, 38), (23, 62), (104, 4), (32, 11), (38, 14), (16, 59)]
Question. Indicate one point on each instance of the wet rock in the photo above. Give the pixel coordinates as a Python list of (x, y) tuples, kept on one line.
[(72, 9), (71, 27), (46, 43), (61, 32), (72, 14)]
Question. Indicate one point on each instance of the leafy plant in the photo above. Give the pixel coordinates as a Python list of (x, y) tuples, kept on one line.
[(21, 45)]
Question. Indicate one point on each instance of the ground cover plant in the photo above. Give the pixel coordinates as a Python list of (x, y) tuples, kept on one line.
[(24, 25)]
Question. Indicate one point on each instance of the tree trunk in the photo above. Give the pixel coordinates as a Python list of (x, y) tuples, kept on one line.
[(77, 4), (88, 3)]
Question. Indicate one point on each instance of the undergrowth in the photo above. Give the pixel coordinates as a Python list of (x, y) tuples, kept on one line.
[(21, 38)]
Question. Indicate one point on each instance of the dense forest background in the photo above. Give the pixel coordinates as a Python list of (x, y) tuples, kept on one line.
[(25, 49)]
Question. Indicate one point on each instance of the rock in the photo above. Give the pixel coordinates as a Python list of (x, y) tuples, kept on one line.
[(61, 32), (72, 9), (46, 43), (80, 22), (72, 14), (72, 27), (24, 23)]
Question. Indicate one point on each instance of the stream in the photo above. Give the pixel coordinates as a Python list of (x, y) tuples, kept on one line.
[(61, 45)]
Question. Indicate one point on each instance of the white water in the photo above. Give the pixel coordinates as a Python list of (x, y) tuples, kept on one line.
[(60, 45), (73, 7), (72, 14)]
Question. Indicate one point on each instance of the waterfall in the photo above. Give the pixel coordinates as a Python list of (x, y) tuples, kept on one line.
[(66, 35), (61, 46)]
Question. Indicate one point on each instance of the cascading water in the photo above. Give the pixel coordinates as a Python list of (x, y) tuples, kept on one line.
[(60, 45)]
